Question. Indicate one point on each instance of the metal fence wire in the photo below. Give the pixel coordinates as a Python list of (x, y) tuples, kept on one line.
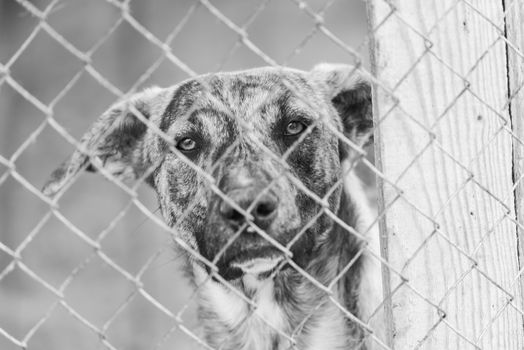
[(447, 81)]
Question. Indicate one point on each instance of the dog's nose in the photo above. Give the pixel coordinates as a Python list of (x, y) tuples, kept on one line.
[(264, 210)]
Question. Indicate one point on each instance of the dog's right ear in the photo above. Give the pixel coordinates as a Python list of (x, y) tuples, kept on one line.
[(114, 142), (350, 93)]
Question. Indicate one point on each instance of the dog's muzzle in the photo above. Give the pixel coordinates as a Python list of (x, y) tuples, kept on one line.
[(250, 253), (258, 266), (253, 256), (252, 204)]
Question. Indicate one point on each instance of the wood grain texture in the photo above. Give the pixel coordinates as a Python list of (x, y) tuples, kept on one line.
[(515, 49), (447, 149)]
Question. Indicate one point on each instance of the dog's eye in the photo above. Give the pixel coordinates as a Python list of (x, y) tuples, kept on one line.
[(294, 128), (187, 144)]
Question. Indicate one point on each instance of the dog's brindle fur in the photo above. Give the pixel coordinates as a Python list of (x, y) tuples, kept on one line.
[(227, 117)]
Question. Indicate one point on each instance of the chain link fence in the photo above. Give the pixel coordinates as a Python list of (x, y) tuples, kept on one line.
[(95, 269)]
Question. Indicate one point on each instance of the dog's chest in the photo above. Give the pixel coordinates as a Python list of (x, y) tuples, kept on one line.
[(236, 325)]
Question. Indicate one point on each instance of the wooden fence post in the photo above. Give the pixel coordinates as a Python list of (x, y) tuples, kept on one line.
[(444, 145), (515, 48)]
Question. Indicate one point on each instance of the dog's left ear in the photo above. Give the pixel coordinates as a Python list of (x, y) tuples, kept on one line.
[(350, 94), (114, 142)]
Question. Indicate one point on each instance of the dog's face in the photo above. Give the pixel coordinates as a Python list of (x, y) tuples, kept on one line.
[(236, 156)]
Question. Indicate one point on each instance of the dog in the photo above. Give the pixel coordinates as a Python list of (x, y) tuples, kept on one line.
[(252, 170)]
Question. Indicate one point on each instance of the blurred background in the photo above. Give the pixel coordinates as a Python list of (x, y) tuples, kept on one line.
[(55, 256)]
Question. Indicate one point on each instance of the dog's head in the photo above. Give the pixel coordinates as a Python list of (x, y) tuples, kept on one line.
[(237, 159)]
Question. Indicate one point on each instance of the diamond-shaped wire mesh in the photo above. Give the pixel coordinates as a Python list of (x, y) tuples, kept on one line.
[(104, 267)]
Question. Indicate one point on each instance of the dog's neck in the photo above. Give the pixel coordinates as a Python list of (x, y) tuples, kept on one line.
[(288, 304)]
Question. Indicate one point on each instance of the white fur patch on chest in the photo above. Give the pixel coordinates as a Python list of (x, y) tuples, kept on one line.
[(267, 308), (226, 304), (258, 329), (327, 332)]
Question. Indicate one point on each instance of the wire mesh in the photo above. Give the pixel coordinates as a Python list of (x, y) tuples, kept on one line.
[(148, 308)]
